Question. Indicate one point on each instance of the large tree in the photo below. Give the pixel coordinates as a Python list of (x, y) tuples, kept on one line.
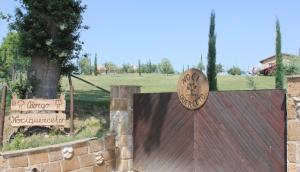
[(211, 55), (49, 35), (279, 75)]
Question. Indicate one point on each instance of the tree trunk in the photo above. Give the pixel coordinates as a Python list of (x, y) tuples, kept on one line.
[(44, 74)]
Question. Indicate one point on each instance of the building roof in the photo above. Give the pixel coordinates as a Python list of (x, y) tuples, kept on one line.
[(271, 57)]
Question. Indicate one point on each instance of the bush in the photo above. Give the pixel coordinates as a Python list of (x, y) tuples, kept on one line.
[(235, 71), (292, 67), (22, 87)]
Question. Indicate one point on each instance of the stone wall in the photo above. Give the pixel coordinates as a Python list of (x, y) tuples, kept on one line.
[(121, 123), (87, 155), (293, 124)]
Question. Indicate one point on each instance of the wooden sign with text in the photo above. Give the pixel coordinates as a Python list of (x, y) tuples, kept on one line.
[(192, 89), (26, 105), (38, 119), (38, 112)]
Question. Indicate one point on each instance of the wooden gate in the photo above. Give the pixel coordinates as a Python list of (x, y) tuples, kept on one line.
[(235, 131)]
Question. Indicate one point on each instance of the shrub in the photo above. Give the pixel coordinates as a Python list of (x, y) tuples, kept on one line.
[(292, 67), (235, 71)]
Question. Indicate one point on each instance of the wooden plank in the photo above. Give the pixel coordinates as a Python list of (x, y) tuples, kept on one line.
[(234, 131), (38, 119), (2, 112), (26, 105)]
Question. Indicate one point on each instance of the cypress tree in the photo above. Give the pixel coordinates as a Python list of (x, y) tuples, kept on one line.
[(211, 55), (279, 75), (95, 65), (139, 66)]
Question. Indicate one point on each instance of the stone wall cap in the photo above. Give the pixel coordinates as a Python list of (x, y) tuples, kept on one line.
[(126, 86), (296, 99), (293, 76), (25, 151)]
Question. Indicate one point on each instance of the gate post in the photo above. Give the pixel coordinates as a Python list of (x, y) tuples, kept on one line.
[(121, 123), (293, 123)]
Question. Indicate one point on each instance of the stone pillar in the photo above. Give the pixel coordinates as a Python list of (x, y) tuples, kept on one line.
[(293, 123), (121, 123)]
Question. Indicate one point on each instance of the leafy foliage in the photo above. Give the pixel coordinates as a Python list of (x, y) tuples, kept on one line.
[(211, 55), (110, 67), (251, 83), (219, 68), (235, 71), (22, 87), (11, 62), (50, 28), (292, 67), (279, 74), (85, 65), (165, 66)]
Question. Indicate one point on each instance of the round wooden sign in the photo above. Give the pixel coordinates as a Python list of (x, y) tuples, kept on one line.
[(192, 89)]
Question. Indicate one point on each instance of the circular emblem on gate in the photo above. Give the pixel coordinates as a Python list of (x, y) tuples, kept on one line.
[(192, 89)]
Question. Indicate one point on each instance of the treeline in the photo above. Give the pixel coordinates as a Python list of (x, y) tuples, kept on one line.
[(85, 67)]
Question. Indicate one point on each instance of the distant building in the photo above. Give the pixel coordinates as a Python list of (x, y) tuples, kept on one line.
[(268, 65), (101, 69)]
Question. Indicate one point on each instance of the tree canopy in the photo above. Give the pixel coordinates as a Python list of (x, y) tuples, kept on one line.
[(50, 28)]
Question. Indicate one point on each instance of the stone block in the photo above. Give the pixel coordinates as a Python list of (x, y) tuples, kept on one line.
[(18, 161), (119, 104), (292, 167), (71, 164), (116, 118), (291, 152), (87, 169), (15, 170), (38, 157), (130, 164), (293, 86), (109, 142), (128, 91), (96, 145), (109, 165), (123, 165), (114, 91), (3, 163), (81, 149), (293, 130), (55, 155), (108, 154), (51, 167), (101, 168), (126, 153), (87, 160), (125, 140), (291, 108)]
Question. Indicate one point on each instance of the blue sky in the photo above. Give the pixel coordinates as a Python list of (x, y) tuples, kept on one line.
[(124, 31)]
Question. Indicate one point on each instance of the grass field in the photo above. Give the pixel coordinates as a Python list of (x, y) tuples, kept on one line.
[(153, 83), (92, 105)]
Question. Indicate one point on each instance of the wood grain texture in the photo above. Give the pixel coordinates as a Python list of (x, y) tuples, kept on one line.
[(234, 131)]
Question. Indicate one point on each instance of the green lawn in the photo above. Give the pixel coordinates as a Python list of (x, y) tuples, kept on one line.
[(152, 83)]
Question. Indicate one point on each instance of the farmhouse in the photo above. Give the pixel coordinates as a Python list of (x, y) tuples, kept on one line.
[(269, 64)]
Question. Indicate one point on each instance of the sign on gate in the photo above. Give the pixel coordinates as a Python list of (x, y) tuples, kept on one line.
[(192, 89)]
